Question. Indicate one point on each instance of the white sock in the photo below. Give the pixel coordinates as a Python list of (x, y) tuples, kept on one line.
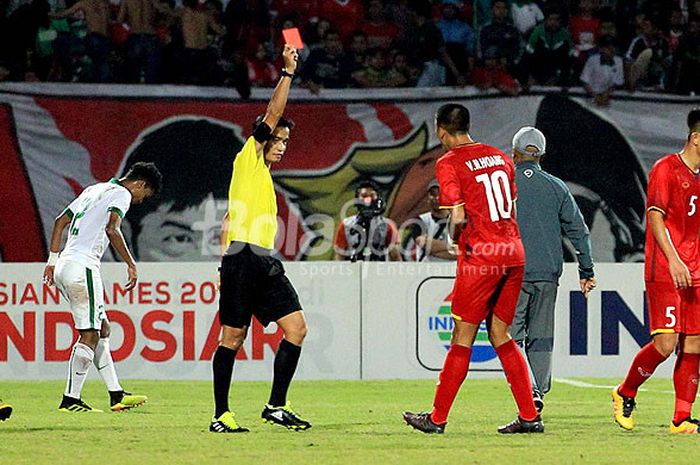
[(105, 365), (80, 360)]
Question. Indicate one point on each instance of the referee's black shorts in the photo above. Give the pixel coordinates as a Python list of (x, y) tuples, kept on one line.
[(254, 283)]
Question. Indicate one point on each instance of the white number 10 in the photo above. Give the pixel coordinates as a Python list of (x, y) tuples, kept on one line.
[(498, 194)]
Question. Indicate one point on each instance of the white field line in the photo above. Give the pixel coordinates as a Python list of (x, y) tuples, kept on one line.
[(583, 384)]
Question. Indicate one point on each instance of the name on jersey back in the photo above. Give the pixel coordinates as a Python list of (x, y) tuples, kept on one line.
[(485, 162)]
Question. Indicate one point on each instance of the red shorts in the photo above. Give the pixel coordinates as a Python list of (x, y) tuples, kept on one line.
[(480, 290), (673, 310)]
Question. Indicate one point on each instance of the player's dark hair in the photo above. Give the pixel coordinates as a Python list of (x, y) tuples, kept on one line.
[(147, 172), (195, 158), (453, 118), (366, 184), (282, 123), (694, 120)]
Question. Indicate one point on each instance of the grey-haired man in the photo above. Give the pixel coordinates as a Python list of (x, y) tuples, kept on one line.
[(546, 208)]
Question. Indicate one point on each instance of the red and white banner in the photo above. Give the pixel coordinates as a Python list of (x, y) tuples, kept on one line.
[(167, 327), (56, 139), (366, 321)]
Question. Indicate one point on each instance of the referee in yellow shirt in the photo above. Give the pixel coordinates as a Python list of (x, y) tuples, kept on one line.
[(253, 283)]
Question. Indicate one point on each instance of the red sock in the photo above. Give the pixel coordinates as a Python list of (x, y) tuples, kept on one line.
[(685, 383), (643, 366), (518, 377), (453, 373)]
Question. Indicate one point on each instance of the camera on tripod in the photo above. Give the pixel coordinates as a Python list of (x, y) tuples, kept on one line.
[(369, 243)]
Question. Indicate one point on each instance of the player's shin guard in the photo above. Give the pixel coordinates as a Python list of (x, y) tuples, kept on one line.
[(518, 377), (685, 383), (80, 360), (453, 373), (222, 366), (286, 361), (643, 366), (105, 365)]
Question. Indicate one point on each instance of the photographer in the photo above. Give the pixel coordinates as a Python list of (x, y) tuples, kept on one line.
[(351, 240)]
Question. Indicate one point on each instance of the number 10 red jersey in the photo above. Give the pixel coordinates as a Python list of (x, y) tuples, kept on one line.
[(482, 179)]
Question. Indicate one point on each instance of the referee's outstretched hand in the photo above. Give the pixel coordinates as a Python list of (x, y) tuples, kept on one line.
[(291, 57)]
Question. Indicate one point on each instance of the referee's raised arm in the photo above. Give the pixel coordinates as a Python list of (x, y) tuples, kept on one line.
[(275, 109)]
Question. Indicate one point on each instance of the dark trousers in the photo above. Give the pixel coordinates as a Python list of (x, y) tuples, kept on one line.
[(533, 329), (143, 57), (98, 49)]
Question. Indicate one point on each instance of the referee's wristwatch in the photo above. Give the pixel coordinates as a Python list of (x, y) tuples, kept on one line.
[(286, 73)]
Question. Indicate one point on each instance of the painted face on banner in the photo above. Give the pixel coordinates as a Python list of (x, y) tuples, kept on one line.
[(187, 235)]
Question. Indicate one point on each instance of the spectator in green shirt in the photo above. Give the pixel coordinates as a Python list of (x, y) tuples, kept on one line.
[(549, 52)]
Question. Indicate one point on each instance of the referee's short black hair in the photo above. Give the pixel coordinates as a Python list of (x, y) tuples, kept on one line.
[(453, 118), (147, 172), (694, 120), (282, 123)]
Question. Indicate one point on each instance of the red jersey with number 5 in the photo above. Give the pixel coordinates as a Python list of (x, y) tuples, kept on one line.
[(674, 190), (482, 179)]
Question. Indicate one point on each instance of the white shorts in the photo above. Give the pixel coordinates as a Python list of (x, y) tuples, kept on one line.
[(82, 287)]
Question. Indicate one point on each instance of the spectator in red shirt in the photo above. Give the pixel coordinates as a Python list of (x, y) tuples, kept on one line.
[(380, 33), (345, 15), (584, 26), (493, 74), (247, 19), (261, 72), (283, 8)]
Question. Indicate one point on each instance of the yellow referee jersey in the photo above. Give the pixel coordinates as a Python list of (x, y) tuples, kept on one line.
[(252, 205)]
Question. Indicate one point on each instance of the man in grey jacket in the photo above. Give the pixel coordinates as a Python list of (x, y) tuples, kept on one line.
[(546, 209)]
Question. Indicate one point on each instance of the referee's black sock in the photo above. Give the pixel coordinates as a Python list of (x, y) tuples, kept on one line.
[(285, 365), (222, 365)]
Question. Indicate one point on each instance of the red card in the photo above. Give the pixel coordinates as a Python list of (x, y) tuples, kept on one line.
[(293, 38)]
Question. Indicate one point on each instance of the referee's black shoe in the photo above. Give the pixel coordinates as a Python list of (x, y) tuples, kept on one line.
[(519, 425), (284, 416), (423, 422)]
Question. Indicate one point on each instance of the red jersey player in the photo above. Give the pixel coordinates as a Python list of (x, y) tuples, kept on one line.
[(477, 184), (672, 278)]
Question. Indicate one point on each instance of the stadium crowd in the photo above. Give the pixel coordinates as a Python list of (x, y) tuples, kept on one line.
[(509, 45)]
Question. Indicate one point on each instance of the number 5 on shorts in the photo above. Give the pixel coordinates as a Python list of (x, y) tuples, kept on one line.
[(671, 317)]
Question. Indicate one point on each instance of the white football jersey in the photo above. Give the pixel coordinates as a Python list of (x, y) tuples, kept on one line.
[(89, 214)]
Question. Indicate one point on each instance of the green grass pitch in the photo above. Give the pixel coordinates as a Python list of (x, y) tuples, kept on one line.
[(354, 422)]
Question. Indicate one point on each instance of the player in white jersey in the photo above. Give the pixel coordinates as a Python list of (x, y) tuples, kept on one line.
[(93, 221)]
